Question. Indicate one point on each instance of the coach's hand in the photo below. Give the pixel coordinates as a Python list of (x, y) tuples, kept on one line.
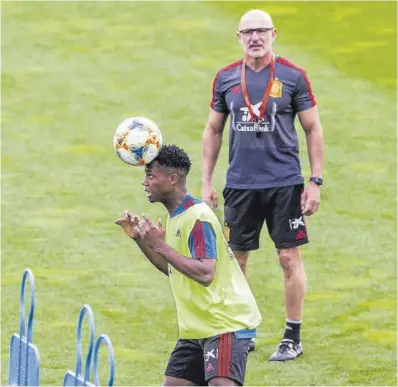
[(310, 199), (209, 195), (129, 224), (150, 233)]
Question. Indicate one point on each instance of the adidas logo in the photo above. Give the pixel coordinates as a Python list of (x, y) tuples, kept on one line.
[(178, 233), (300, 235), (209, 367)]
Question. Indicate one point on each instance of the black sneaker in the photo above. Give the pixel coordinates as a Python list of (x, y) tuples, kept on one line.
[(287, 350), (252, 345)]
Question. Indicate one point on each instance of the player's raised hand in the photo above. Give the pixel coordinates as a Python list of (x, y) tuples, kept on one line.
[(129, 223), (150, 233), (160, 227)]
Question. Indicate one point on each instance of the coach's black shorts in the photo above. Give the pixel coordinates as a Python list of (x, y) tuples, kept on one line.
[(201, 360), (245, 211)]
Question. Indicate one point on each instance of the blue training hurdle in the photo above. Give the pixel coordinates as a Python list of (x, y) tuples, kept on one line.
[(24, 365), (77, 378)]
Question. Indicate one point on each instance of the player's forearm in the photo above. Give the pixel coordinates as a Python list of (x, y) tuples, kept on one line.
[(211, 146), (156, 259), (191, 267), (315, 147)]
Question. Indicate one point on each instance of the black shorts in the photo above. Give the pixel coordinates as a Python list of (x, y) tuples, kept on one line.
[(245, 211), (201, 360)]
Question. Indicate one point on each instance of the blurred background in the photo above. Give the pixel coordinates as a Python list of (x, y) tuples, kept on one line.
[(72, 71)]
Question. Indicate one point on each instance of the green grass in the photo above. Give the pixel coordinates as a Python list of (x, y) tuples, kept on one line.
[(71, 71)]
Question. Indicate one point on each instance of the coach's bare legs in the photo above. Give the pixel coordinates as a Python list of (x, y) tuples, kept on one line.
[(171, 381), (295, 281), (242, 257)]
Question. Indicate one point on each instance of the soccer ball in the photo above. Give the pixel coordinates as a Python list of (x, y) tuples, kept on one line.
[(137, 140)]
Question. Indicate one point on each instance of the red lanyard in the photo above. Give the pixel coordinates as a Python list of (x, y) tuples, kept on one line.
[(266, 93)]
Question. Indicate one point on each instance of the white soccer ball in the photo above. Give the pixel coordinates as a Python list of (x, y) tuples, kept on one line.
[(137, 140)]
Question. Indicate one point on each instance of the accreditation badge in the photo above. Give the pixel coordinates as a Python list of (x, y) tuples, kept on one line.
[(276, 89)]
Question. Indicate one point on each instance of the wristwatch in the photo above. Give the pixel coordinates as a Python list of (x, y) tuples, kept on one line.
[(316, 180)]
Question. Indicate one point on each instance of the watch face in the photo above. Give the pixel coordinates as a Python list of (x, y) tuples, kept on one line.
[(317, 180)]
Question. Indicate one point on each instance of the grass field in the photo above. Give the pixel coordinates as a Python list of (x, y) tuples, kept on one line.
[(71, 71)]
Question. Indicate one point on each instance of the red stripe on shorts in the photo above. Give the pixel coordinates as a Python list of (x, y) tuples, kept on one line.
[(224, 355)]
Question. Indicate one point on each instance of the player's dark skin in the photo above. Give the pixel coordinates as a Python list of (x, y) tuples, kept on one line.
[(167, 186)]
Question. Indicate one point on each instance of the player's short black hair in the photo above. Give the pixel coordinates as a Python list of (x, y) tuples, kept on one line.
[(171, 156)]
